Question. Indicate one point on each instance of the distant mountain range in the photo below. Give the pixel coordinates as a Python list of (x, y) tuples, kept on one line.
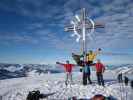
[(22, 70)]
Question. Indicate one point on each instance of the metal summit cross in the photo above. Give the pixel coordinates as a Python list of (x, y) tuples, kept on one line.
[(80, 25)]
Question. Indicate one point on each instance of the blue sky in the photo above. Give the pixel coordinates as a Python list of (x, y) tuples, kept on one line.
[(32, 31)]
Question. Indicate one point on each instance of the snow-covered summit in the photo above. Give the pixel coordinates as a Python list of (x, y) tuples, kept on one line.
[(18, 88)]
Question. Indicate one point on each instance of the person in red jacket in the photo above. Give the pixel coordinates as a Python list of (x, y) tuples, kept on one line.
[(68, 69), (100, 68)]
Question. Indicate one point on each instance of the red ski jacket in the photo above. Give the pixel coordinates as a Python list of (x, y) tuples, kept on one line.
[(68, 67), (99, 67)]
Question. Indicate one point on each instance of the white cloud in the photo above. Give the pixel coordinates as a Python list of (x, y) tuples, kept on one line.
[(13, 38), (116, 14)]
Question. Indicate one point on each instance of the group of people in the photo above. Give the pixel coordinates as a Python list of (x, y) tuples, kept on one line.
[(85, 61), (124, 79)]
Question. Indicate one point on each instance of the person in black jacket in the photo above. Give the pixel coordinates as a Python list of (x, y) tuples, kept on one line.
[(126, 80), (131, 84), (119, 77)]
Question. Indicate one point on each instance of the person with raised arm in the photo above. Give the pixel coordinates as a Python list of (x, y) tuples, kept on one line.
[(90, 57), (68, 69)]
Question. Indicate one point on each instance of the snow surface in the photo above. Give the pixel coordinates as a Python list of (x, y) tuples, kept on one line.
[(18, 88)]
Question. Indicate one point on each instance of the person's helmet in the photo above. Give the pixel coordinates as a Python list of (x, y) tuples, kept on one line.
[(73, 54), (98, 60), (99, 49), (90, 51)]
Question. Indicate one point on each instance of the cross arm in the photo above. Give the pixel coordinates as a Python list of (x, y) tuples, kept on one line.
[(96, 25), (69, 28), (99, 25)]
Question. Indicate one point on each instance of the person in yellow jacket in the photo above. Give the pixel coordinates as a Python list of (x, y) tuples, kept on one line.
[(91, 56)]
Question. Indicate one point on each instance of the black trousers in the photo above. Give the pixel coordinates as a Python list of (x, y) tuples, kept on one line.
[(100, 78), (86, 77)]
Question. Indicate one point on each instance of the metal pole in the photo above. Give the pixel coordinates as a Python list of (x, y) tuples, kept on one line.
[(84, 34)]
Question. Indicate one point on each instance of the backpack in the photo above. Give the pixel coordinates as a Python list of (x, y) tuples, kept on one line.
[(33, 95)]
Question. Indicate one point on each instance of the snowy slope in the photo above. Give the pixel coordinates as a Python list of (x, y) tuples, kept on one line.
[(126, 71), (17, 89)]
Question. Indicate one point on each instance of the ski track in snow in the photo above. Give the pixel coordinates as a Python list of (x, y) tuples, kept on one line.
[(18, 88)]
